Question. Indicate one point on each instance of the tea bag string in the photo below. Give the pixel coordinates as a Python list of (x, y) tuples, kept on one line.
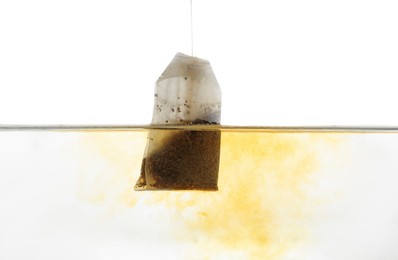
[(191, 29)]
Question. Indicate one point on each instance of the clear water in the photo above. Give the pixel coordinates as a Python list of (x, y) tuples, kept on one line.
[(284, 193)]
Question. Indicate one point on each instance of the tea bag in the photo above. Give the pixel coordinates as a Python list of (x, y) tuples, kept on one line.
[(187, 93)]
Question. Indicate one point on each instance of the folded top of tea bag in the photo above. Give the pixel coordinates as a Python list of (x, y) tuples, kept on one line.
[(187, 91)]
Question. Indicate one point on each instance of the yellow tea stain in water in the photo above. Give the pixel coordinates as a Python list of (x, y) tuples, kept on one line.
[(262, 205), (258, 209), (108, 167)]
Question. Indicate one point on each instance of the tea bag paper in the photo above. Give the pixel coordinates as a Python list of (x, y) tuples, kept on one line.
[(187, 93)]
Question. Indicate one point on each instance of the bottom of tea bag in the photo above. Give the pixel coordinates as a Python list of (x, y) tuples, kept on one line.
[(180, 160)]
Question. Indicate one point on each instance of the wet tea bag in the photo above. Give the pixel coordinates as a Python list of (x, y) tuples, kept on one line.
[(187, 93)]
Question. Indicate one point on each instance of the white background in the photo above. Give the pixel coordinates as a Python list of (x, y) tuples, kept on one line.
[(278, 62)]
